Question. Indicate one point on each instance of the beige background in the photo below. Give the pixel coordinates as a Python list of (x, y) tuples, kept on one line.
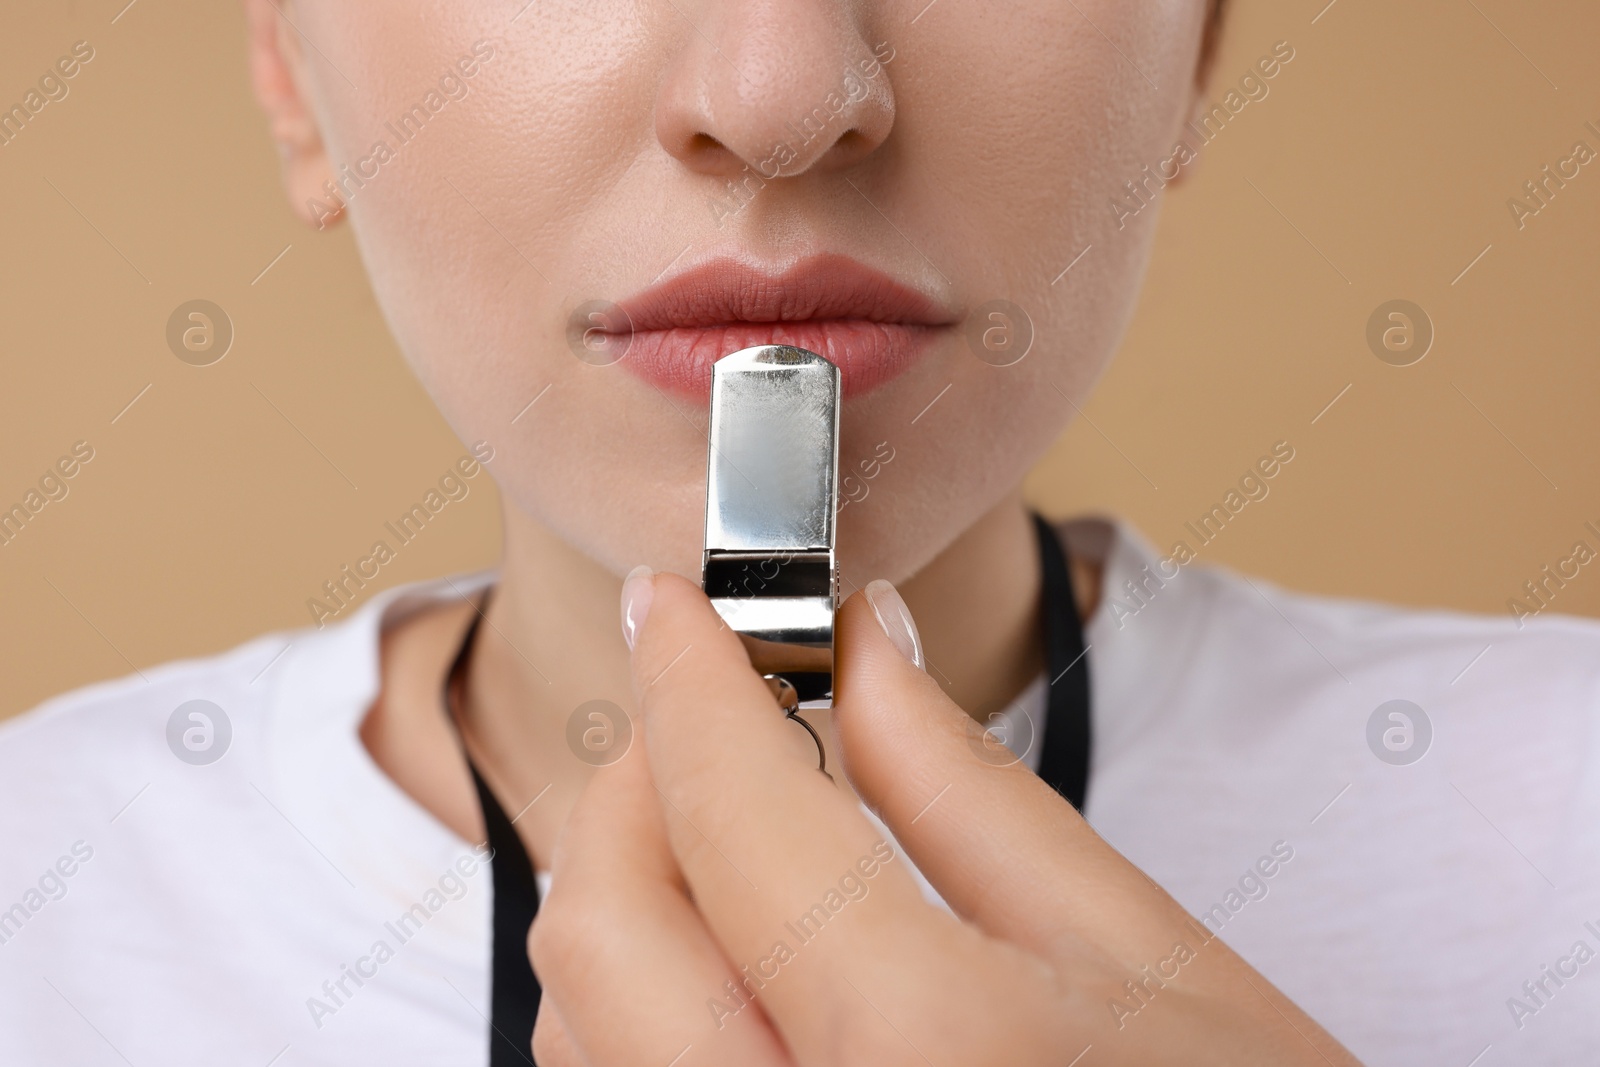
[(1378, 167)]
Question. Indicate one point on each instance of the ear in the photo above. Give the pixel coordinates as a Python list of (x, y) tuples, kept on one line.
[(1210, 41), (277, 75), (1199, 100)]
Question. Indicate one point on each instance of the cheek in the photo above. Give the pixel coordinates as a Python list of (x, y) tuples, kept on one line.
[(1025, 122), (1009, 175), (1037, 151), (467, 233), (507, 210)]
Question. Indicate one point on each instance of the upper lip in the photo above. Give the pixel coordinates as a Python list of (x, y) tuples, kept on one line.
[(824, 287)]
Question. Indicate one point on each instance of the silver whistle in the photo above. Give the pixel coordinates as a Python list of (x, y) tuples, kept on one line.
[(772, 476)]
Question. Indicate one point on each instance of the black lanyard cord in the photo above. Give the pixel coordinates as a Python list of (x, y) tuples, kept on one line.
[(1063, 763), (513, 990), (1065, 746)]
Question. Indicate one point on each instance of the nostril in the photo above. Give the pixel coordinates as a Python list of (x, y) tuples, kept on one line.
[(706, 151), (709, 155), (851, 146), (703, 144), (703, 152)]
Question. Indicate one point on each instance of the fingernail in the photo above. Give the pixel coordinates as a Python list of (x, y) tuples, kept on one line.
[(895, 618), (637, 590)]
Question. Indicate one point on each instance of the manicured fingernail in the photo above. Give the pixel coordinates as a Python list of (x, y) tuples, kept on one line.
[(895, 618), (637, 590)]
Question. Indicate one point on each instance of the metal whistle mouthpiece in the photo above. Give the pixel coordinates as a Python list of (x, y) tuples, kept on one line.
[(772, 475)]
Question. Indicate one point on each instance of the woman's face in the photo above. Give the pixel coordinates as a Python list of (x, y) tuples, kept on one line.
[(528, 180)]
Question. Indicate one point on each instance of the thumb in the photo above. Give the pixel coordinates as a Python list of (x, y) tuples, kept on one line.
[(1001, 846)]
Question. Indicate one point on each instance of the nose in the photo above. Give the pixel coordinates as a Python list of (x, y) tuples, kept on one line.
[(781, 86)]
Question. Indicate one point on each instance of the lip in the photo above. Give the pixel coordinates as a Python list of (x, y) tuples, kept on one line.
[(868, 324)]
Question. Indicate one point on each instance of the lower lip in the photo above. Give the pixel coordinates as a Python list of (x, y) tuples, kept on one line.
[(868, 354)]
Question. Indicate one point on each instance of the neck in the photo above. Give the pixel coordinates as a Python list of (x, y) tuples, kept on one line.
[(551, 642), (552, 639), (977, 610)]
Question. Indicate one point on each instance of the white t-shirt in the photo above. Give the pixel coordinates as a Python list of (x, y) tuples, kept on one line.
[(287, 904)]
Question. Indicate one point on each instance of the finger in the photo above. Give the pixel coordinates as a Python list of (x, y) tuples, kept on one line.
[(782, 863), (633, 973), (1001, 846), (552, 1042), (1007, 851)]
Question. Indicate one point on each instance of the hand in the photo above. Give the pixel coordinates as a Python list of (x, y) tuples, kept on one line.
[(721, 902)]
